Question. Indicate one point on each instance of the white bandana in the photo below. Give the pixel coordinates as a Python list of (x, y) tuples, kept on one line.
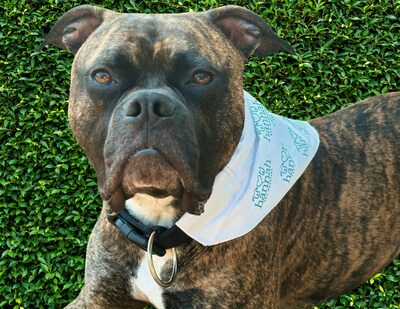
[(272, 153)]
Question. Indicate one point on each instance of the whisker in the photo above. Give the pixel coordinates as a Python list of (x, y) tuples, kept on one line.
[(228, 171)]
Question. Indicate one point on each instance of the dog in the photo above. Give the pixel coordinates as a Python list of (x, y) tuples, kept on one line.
[(157, 104)]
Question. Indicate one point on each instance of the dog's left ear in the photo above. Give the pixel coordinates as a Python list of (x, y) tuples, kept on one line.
[(247, 31)]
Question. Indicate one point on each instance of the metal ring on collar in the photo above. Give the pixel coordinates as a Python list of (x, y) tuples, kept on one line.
[(150, 262)]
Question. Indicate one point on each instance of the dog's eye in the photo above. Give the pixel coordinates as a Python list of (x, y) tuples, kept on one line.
[(102, 77), (201, 78)]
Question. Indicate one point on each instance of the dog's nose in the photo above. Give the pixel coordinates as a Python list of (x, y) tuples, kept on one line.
[(148, 104)]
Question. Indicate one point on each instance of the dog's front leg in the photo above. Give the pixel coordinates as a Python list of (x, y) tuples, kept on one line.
[(110, 263), (79, 303)]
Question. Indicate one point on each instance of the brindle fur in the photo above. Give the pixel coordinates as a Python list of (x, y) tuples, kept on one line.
[(336, 228)]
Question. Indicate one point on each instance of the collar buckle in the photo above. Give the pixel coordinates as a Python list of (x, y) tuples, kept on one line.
[(136, 232)]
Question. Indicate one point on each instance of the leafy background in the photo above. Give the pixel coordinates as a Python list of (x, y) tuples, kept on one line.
[(347, 50)]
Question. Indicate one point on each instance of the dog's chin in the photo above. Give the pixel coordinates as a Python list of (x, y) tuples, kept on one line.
[(149, 172)]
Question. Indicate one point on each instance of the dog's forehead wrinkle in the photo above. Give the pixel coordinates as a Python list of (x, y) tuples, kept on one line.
[(151, 27), (162, 36)]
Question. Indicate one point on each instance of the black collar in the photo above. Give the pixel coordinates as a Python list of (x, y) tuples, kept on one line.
[(139, 234)]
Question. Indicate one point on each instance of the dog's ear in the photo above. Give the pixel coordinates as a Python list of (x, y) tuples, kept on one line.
[(75, 26), (247, 31)]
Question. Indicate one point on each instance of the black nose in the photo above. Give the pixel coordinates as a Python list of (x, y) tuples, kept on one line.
[(150, 104)]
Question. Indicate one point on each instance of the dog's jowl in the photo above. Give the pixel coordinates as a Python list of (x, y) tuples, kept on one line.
[(239, 208)]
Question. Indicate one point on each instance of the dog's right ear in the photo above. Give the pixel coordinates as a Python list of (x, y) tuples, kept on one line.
[(75, 26)]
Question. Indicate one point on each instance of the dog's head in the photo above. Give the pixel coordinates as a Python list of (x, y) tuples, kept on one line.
[(156, 101)]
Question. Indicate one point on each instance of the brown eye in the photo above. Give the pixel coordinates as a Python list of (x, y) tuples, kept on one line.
[(201, 78), (103, 77)]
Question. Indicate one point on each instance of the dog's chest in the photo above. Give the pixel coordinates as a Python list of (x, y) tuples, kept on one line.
[(150, 211), (143, 285)]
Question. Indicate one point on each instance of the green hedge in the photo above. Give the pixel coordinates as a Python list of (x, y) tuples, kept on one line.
[(347, 51)]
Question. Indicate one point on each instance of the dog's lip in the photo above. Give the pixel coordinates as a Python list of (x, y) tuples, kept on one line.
[(193, 198), (112, 185), (113, 181), (115, 201), (113, 193), (146, 151)]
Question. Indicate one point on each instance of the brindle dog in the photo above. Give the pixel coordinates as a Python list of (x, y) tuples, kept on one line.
[(156, 103)]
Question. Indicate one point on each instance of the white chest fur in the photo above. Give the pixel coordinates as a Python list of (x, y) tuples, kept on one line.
[(150, 211), (144, 286)]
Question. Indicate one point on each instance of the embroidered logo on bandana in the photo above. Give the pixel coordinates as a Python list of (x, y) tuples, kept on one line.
[(264, 181), (272, 153), (263, 121), (288, 166)]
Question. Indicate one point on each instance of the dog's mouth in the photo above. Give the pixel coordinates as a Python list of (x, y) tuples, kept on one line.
[(152, 172)]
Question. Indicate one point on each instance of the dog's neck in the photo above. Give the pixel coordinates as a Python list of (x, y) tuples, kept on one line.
[(153, 211)]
